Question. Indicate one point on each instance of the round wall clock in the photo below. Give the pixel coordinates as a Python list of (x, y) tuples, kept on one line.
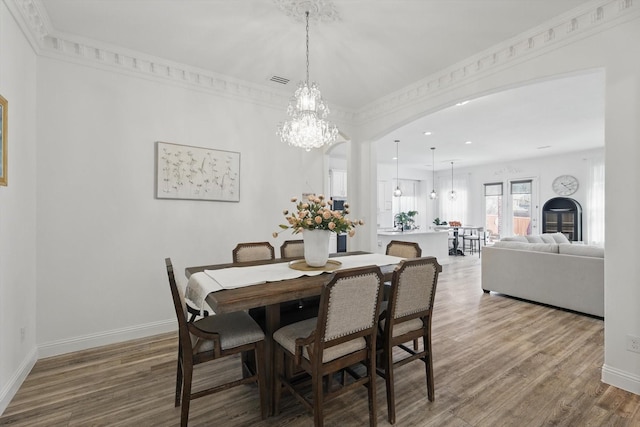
[(565, 185)]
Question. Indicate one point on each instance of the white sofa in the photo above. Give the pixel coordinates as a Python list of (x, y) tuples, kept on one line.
[(565, 275)]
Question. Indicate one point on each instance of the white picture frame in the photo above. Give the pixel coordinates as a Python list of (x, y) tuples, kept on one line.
[(196, 173)]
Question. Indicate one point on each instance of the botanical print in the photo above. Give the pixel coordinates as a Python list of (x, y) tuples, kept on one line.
[(196, 173)]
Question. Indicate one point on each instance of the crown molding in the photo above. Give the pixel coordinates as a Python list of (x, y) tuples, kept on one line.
[(595, 16), (574, 25)]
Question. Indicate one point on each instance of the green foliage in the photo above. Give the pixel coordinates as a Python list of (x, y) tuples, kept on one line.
[(438, 222), (406, 219)]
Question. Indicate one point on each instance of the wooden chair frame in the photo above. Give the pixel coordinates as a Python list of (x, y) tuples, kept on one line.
[(289, 246), (321, 373), (243, 246), (404, 249), (189, 355), (388, 341)]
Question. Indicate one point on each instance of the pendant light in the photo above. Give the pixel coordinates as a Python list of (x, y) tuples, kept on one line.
[(308, 126), (433, 193), (397, 192), (452, 194)]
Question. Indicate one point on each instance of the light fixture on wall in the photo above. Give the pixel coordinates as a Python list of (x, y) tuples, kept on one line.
[(452, 194), (433, 193), (397, 192), (307, 127)]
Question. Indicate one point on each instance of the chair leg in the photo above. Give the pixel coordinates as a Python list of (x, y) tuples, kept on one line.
[(277, 386), (186, 394), (428, 364), (178, 378), (371, 368), (388, 376), (262, 382), (318, 398)]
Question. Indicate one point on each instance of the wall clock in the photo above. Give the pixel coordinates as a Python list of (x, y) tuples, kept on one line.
[(565, 185)]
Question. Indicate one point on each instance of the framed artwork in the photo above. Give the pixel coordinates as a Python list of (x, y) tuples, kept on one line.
[(3, 140), (196, 173)]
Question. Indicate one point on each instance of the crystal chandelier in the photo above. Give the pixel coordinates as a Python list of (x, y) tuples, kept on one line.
[(433, 193), (307, 127), (397, 192), (452, 194)]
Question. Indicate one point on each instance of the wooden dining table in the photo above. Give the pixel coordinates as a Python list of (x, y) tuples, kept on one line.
[(269, 295)]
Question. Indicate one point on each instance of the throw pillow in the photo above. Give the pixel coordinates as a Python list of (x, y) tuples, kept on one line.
[(560, 238), (547, 238), (535, 239), (514, 239)]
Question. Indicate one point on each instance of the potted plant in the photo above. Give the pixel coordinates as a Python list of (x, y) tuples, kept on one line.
[(405, 220)]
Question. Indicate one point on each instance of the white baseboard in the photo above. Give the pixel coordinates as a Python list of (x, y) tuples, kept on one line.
[(621, 379), (10, 390), (55, 348)]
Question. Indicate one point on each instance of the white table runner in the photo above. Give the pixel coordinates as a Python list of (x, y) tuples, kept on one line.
[(203, 283)]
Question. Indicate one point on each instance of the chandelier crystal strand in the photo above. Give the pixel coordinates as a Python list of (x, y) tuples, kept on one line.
[(397, 192), (452, 194), (307, 127), (433, 193)]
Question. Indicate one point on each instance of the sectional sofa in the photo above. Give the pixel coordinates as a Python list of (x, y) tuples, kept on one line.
[(547, 269)]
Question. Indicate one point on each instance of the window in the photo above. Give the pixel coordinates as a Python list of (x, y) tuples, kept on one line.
[(521, 207), (493, 210)]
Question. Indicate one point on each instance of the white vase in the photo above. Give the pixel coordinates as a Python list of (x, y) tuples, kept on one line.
[(316, 247)]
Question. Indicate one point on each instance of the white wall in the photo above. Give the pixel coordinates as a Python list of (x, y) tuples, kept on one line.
[(17, 211), (102, 236)]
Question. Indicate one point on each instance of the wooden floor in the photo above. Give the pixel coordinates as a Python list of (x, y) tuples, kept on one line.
[(498, 362)]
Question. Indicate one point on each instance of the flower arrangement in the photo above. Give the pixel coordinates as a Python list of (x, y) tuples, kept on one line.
[(316, 214)]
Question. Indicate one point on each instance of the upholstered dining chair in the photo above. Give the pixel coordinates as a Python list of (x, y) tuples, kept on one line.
[(211, 338), (343, 334), (254, 251), (292, 249), (404, 249), (407, 316)]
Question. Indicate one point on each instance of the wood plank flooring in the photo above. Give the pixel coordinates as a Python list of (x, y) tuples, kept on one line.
[(497, 361)]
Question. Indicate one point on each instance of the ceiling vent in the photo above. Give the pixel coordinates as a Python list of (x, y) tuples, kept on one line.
[(279, 80)]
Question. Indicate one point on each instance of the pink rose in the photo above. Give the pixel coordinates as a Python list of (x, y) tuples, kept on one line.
[(332, 226), (352, 233), (318, 219), (326, 214)]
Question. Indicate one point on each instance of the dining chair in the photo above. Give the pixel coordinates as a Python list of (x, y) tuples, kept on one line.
[(210, 338), (292, 249), (343, 334), (404, 249), (406, 317), (254, 251)]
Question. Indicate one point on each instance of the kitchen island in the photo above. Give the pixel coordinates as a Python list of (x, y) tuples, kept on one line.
[(432, 242)]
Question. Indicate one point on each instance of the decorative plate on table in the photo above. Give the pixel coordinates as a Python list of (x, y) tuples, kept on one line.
[(301, 264)]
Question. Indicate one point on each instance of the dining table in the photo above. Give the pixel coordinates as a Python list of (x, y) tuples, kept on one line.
[(271, 291)]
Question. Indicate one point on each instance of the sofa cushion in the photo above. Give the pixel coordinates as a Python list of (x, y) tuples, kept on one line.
[(547, 238), (560, 238), (582, 250), (535, 239), (537, 247), (514, 239)]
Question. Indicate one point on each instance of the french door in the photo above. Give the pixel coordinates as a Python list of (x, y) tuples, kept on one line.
[(522, 207)]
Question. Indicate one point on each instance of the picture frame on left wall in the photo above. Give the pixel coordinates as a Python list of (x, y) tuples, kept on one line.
[(4, 106)]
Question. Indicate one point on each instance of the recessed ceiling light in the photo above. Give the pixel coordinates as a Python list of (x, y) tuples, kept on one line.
[(427, 133), (394, 158), (469, 142), (462, 103)]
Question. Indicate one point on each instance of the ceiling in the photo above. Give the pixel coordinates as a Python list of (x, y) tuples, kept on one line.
[(360, 51)]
